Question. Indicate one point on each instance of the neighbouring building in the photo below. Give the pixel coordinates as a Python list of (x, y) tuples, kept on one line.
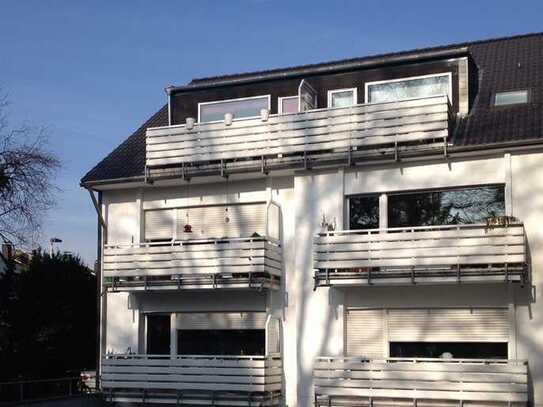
[(358, 232)]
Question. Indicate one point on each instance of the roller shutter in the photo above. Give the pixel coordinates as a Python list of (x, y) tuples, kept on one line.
[(448, 325), (365, 333), (273, 335), (210, 221), (221, 320), (159, 224)]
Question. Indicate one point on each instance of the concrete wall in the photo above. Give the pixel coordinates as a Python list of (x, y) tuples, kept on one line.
[(313, 320)]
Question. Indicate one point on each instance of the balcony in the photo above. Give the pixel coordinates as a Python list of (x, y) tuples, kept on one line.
[(194, 264), (435, 254), (357, 381), (311, 138), (193, 380)]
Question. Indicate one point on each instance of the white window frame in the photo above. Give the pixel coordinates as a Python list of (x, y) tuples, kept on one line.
[(233, 100), (280, 103), (331, 92), (368, 84)]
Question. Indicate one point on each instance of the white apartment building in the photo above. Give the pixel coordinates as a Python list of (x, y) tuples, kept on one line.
[(360, 232)]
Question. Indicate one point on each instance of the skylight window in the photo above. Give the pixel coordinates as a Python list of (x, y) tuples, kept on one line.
[(511, 98)]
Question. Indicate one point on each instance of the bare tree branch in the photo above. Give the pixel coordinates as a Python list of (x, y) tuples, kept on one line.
[(27, 168)]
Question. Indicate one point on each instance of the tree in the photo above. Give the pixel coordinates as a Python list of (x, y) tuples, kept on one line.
[(26, 170), (48, 318)]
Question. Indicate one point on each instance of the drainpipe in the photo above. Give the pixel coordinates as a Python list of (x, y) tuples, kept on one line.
[(101, 230)]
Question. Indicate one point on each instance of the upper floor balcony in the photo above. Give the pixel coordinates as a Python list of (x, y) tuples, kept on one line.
[(254, 262), (430, 254), (315, 137)]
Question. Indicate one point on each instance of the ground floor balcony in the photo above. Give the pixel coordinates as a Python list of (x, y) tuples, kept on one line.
[(435, 254), (254, 262), (193, 380), (362, 382)]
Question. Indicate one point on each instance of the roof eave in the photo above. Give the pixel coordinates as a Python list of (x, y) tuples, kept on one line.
[(365, 63)]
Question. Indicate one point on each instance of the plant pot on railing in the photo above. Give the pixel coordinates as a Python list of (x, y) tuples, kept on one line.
[(500, 221)]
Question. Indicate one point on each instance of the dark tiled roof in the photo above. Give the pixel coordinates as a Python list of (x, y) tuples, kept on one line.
[(503, 64), (128, 159)]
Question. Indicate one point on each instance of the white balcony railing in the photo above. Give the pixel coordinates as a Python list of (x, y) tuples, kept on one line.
[(434, 254), (215, 263), (193, 379), (311, 133), (356, 381)]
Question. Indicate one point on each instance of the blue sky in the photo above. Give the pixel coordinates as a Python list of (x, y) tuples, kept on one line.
[(93, 71)]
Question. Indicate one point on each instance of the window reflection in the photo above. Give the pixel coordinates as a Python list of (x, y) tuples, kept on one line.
[(453, 207), (408, 89), (364, 212)]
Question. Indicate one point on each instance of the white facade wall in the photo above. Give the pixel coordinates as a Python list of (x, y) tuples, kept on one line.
[(313, 321)]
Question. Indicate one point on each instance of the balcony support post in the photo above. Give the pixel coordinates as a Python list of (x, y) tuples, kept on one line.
[(445, 151), (506, 273), (223, 169), (179, 399), (458, 274), (396, 152), (263, 167)]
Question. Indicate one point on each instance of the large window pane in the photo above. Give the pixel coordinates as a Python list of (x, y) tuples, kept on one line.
[(158, 334), (408, 89), (453, 207), (364, 212), (221, 342), (456, 350), (215, 111)]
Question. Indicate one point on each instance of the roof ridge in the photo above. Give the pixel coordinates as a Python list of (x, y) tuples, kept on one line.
[(203, 80)]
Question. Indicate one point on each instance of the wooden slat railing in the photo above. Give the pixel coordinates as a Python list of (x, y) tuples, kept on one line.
[(434, 254), (214, 263), (193, 379), (357, 380), (313, 132)]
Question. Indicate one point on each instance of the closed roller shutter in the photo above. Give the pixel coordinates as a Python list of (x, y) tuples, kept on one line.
[(210, 221), (448, 325), (365, 333), (222, 320), (159, 224), (273, 335)]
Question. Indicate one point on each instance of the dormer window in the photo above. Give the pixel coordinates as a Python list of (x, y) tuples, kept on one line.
[(514, 97), (242, 108), (342, 97), (409, 88)]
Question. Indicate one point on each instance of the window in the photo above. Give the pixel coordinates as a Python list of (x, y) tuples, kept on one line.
[(288, 104), (240, 108), (364, 212), (342, 97), (409, 88), (159, 225), (221, 342), (449, 350), (451, 207), (158, 334), (511, 98)]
